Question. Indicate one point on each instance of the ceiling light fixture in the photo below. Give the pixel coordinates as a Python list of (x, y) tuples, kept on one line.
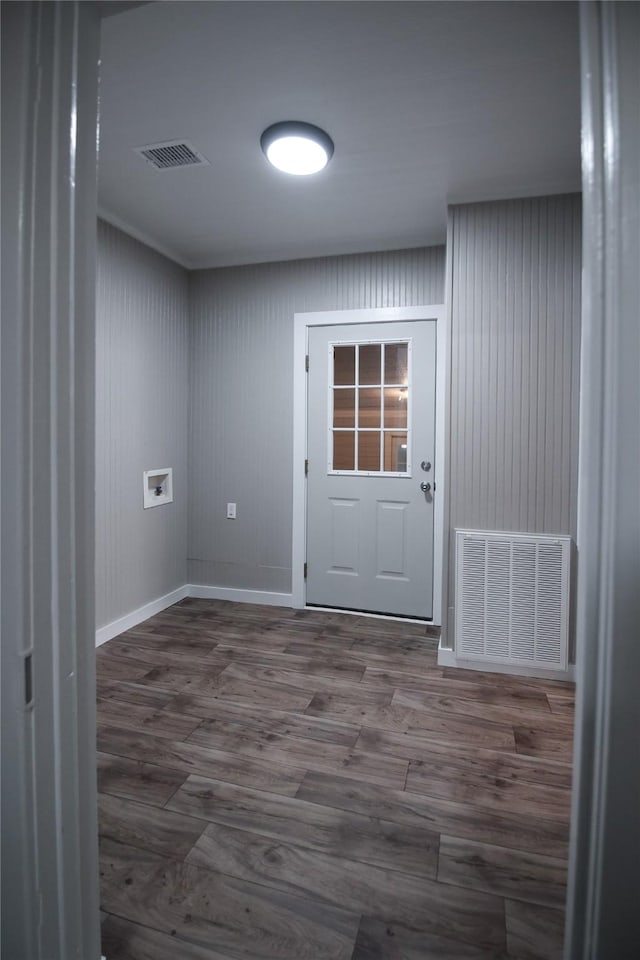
[(296, 147)]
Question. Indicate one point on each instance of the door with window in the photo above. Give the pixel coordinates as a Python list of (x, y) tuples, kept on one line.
[(371, 448)]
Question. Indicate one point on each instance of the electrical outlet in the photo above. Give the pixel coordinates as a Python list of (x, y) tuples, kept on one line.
[(231, 511)]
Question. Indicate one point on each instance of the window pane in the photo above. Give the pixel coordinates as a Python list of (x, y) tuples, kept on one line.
[(395, 452), (370, 363), (368, 451), (396, 363), (344, 365), (343, 450), (369, 408), (371, 402), (395, 407), (344, 408)]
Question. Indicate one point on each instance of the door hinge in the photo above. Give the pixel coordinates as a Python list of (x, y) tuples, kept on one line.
[(306, 363), (306, 468), (305, 570)]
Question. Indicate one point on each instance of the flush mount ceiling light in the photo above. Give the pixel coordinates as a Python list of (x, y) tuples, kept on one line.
[(296, 147)]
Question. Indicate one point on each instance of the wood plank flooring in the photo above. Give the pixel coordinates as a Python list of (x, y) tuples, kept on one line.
[(299, 785)]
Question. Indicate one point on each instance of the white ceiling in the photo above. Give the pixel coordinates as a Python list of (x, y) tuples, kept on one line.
[(427, 103)]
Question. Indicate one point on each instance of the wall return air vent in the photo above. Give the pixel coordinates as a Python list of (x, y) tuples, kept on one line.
[(512, 598), (172, 154)]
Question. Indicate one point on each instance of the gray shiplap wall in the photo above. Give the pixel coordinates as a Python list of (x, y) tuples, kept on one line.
[(141, 420), (241, 396), (515, 361), (514, 298)]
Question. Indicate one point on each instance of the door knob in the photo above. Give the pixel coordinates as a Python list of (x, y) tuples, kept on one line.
[(425, 487)]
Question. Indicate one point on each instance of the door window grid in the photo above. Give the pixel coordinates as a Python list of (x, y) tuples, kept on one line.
[(369, 438)]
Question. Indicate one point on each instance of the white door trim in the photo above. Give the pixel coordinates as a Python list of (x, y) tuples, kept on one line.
[(301, 324), (50, 900)]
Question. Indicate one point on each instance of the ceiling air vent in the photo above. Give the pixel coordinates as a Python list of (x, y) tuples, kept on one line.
[(173, 153)]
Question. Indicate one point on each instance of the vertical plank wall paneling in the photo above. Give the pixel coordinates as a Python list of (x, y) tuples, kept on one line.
[(241, 395), (141, 423), (515, 359)]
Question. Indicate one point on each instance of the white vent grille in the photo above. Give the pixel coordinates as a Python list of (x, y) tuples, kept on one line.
[(172, 154), (512, 598)]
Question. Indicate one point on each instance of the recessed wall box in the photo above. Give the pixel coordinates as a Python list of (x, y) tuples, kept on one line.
[(157, 487)]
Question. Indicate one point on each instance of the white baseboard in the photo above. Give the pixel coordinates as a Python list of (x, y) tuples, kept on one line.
[(202, 592), (111, 630), (206, 592), (447, 658)]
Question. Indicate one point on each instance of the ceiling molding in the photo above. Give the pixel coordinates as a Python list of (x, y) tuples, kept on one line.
[(110, 8), (142, 237)]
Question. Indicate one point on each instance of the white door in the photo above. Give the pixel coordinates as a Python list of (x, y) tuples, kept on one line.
[(371, 448)]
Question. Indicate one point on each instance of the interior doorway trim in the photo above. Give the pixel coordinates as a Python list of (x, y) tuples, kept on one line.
[(302, 322)]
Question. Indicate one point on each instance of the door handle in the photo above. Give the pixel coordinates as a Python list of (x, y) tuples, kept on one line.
[(425, 487)]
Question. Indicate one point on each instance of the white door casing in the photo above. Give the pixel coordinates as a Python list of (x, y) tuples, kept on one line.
[(303, 323), (50, 897)]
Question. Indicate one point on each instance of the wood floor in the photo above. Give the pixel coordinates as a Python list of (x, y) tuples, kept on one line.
[(298, 785)]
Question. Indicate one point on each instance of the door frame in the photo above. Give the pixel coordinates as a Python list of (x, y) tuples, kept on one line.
[(51, 900), (328, 318)]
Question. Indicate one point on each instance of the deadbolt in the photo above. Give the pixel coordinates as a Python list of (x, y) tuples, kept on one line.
[(426, 465)]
